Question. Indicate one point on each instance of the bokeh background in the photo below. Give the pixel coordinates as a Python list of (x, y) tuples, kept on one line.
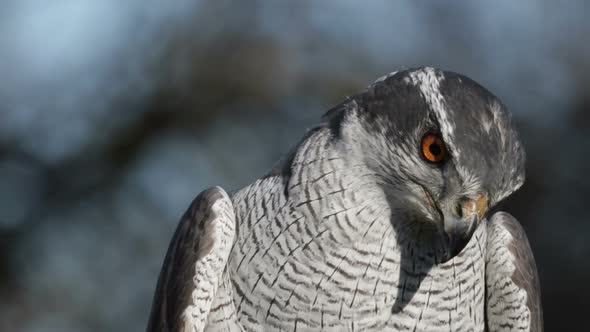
[(115, 114)]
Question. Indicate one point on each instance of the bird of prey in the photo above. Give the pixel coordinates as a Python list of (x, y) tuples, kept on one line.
[(379, 219)]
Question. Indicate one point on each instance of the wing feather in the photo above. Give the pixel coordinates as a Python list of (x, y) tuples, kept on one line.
[(194, 264), (513, 299)]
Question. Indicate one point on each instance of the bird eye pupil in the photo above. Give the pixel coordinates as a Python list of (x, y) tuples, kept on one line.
[(435, 149)]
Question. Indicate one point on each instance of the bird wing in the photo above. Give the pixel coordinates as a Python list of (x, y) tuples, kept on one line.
[(193, 269), (513, 296)]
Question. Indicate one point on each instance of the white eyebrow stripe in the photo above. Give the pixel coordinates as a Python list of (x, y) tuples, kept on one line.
[(428, 80), (384, 77)]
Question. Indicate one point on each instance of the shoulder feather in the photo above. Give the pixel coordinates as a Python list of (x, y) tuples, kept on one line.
[(194, 263), (513, 300)]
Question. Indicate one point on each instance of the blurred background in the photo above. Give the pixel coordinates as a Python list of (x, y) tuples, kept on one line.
[(114, 115)]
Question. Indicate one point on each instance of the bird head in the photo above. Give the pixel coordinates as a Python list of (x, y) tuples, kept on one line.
[(442, 147)]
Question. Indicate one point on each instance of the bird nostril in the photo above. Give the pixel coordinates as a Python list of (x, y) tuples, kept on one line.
[(459, 210)]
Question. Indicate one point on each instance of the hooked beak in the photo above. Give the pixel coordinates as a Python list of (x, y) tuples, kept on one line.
[(460, 222)]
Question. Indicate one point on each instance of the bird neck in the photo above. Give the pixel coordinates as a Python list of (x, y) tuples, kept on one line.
[(334, 188)]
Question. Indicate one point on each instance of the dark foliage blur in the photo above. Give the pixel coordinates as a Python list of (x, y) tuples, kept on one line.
[(115, 114)]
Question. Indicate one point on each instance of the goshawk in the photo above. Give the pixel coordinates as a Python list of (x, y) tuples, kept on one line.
[(377, 220)]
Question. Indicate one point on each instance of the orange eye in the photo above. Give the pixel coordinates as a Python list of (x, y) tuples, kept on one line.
[(433, 148)]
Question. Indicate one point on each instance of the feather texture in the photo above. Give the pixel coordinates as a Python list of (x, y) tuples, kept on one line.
[(192, 287), (513, 301)]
